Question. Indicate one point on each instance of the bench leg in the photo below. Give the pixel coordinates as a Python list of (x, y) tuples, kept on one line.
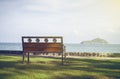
[(28, 58), (62, 59), (23, 57)]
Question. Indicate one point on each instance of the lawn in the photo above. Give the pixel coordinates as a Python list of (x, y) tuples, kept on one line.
[(51, 68)]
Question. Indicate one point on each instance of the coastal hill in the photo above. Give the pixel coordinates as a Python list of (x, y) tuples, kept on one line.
[(95, 41)]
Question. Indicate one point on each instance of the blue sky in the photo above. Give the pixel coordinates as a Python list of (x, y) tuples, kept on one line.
[(75, 20)]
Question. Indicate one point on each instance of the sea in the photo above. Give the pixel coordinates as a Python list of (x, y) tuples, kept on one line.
[(99, 48)]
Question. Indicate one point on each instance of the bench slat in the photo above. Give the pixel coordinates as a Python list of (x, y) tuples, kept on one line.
[(42, 44), (50, 49)]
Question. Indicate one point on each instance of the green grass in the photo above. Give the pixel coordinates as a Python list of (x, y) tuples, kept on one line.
[(11, 67)]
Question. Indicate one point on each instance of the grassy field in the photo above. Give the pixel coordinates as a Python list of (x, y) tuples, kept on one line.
[(51, 68)]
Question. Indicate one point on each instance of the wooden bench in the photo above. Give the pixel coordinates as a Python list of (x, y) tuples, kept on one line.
[(43, 44)]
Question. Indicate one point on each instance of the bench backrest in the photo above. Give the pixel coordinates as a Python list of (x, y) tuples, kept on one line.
[(48, 44)]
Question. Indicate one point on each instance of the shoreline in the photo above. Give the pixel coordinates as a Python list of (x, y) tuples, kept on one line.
[(68, 54)]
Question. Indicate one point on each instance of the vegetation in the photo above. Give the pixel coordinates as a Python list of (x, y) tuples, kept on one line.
[(51, 68), (95, 41)]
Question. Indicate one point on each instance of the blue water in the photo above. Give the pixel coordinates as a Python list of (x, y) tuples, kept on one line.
[(10, 46), (102, 48)]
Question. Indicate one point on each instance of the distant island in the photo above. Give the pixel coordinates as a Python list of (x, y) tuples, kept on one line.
[(95, 41)]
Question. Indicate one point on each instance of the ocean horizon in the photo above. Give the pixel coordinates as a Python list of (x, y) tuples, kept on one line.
[(70, 47)]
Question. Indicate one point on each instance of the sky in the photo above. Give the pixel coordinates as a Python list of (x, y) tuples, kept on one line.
[(75, 20)]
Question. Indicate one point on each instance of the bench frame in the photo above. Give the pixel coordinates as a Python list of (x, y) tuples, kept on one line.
[(49, 44)]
